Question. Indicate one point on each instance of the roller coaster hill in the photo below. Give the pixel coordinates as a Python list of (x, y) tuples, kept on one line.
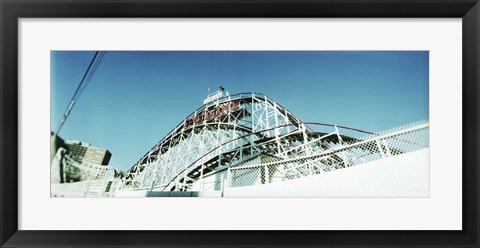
[(248, 145)]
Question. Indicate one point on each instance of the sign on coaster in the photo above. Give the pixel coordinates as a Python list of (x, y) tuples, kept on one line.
[(208, 115)]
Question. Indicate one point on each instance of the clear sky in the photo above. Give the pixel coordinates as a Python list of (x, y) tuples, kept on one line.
[(136, 98)]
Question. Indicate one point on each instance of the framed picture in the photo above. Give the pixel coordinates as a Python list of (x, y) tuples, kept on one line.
[(320, 123)]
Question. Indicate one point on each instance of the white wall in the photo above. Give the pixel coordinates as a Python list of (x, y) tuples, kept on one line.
[(405, 175)]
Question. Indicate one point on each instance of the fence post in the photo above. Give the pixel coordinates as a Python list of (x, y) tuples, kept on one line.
[(266, 174), (379, 146), (222, 185), (387, 149), (229, 180), (343, 153)]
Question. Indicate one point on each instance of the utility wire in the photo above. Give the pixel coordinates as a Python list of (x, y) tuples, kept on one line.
[(96, 60), (97, 63), (92, 71)]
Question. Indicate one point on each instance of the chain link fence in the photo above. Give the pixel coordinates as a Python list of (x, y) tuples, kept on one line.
[(269, 169)]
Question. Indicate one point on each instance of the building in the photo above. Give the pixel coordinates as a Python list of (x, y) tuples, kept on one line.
[(80, 170), (85, 152)]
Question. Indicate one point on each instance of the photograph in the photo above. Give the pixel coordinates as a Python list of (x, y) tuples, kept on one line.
[(239, 124)]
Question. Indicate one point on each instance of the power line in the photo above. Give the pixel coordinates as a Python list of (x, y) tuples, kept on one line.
[(92, 67), (92, 71)]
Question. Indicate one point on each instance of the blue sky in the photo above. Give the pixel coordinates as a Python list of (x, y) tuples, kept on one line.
[(135, 98)]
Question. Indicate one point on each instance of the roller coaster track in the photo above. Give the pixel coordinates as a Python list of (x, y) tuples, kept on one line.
[(228, 132)]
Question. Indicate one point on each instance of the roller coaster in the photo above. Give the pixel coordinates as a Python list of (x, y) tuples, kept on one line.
[(237, 141), (249, 139)]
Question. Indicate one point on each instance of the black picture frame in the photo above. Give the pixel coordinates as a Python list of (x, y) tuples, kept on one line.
[(11, 11)]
